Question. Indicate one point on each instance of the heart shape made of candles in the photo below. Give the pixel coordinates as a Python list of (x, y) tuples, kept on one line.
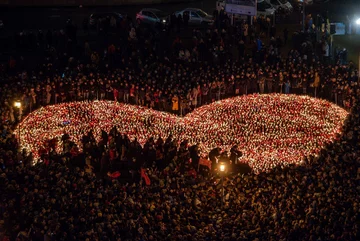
[(270, 129)]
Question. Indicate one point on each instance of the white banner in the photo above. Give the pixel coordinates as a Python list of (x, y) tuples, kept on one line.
[(242, 7)]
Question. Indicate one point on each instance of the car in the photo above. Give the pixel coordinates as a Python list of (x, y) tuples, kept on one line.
[(264, 8), (153, 17), (299, 3), (93, 19), (196, 16), (281, 4)]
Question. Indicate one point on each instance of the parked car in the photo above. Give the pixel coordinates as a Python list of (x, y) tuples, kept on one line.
[(307, 2), (281, 4), (153, 17), (93, 19), (299, 3), (197, 16), (264, 8)]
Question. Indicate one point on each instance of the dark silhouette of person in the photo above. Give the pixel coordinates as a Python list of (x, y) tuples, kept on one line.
[(49, 38), (173, 21), (179, 22), (194, 155), (85, 24), (213, 155), (186, 19), (286, 35)]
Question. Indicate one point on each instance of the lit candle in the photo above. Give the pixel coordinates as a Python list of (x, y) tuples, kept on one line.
[(270, 130)]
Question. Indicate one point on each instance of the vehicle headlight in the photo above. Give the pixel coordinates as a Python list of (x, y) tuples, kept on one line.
[(164, 21)]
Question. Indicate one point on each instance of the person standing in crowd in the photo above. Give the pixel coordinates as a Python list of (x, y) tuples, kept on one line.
[(175, 103), (269, 81), (261, 81), (326, 51), (304, 84), (173, 21), (194, 97), (287, 86), (286, 35), (179, 22), (316, 83), (186, 18), (205, 93), (126, 93)]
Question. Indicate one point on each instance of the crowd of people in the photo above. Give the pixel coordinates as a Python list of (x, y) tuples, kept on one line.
[(59, 200), (80, 194), (146, 69)]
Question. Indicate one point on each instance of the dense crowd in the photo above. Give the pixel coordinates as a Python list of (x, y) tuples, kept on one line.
[(146, 69), (80, 194), (59, 200)]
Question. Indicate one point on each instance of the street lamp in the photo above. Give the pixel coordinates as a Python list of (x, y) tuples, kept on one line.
[(357, 21), (17, 104), (222, 168)]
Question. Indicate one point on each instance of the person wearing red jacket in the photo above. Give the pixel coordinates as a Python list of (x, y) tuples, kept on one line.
[(116, 94)]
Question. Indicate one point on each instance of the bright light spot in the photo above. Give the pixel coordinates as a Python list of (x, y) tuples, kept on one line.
[(222, 167), (17, 104), (358, 21)]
